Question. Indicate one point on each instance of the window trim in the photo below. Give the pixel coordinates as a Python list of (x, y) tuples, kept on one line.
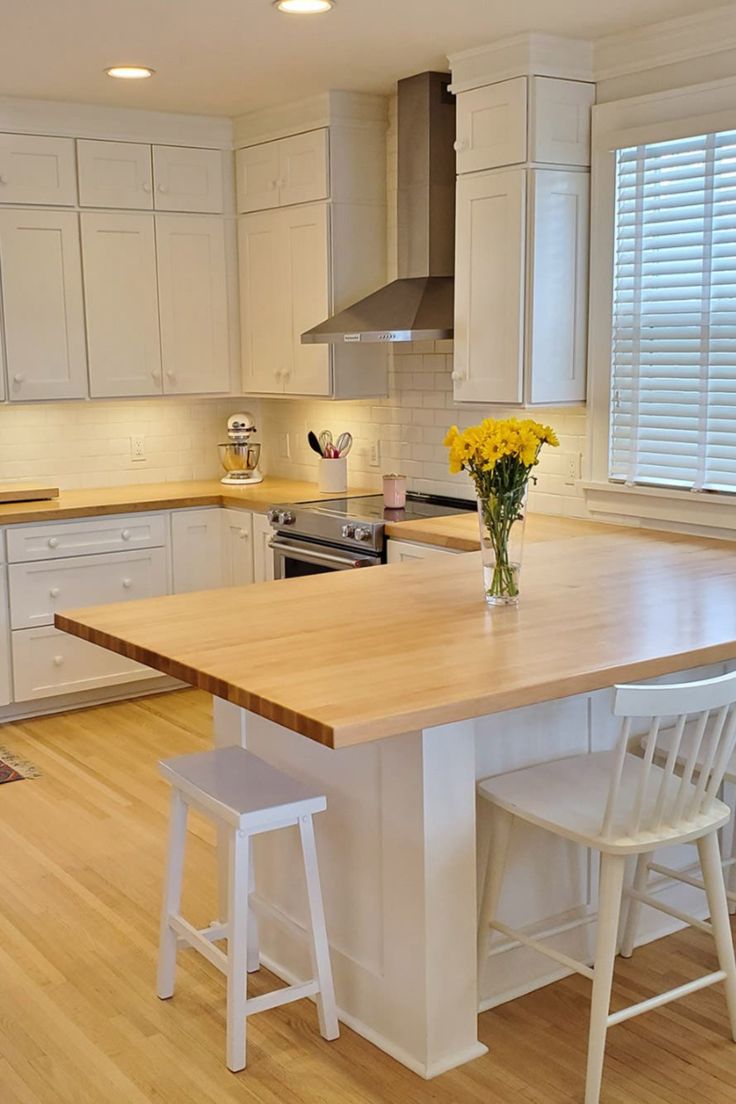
[(661, 116)]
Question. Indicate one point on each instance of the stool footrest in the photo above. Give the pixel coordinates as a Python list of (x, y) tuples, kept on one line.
[(665, 998), (537, 945), (686, 875), (201, 942), (278, 997), (660, 906)]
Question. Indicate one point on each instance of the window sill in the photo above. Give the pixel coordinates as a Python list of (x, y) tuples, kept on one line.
[(660, 507)]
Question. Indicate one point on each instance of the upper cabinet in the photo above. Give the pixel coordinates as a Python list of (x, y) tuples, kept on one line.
[(522, 210), (36, 169), (283, 172), (136, 176), (188, 179), (42, 304), (311, 241)]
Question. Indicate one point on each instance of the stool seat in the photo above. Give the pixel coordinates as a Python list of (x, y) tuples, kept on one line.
[(240, 788)]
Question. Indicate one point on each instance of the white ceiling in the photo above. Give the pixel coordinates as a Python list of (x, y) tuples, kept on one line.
[(230, 56)]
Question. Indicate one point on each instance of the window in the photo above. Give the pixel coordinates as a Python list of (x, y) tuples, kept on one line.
[(673, 340)]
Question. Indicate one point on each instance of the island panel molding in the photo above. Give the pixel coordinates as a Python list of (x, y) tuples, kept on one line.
[(411, 646)]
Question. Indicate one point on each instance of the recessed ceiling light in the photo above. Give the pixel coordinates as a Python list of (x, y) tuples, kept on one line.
[(303, 7), (130, 72)]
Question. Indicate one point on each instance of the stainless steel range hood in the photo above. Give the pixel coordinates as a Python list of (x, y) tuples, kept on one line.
[(420, 304)]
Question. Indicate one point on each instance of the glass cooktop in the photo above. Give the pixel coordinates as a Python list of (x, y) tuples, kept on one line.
[(371, 507)]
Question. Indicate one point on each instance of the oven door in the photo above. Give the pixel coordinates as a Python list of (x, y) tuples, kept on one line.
[(295, 558)]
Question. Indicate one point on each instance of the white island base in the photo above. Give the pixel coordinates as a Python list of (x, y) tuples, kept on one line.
[(397, 849)]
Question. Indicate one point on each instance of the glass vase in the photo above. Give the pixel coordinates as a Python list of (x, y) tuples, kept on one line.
[(501, 518)]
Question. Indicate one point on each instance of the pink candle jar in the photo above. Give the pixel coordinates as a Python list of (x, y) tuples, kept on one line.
[(394, 491)]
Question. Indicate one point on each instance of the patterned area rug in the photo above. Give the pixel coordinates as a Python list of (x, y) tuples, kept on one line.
[(14, 769)]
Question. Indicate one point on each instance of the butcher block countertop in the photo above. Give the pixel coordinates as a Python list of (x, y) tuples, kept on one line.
[(353, 656), (139, 497), (460, 532)]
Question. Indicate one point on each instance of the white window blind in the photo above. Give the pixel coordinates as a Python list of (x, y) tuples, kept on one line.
[(673, 393)]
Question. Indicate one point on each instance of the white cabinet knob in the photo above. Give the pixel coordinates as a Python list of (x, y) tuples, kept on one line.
[(3, 178), (125, 534), (58, 660), (53, 542), (162, 188), (243, 534), (54, 592), (18, 378), (272, 184), (155, 374), (460, 145), (127, 584), (170, 374), (458, 374), (146, 186)]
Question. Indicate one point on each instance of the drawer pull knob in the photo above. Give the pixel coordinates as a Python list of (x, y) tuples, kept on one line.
[(53, 542), (243, 534), (458, 374), (125, 534), (58, 661), (127, 583), (18, 378), (54, 592), (146, 186)]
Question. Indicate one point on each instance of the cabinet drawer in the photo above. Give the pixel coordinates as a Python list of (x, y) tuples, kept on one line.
[(38, 590), (47, 662), (82, 538)]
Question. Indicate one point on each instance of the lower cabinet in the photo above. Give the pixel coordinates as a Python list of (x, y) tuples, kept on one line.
[(237, 547), (47, 663), (196, 549), (399, 551), (5, 681), (262, 552)]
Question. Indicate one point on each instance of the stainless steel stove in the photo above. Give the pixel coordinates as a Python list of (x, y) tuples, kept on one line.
[(314, 537)]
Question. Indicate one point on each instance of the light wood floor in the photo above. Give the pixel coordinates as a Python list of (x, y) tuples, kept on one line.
[(82, 853)]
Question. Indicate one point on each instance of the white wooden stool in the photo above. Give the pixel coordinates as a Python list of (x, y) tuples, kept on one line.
[(244, 796), (622, 805)]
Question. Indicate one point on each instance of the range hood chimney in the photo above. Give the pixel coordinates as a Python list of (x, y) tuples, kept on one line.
[(420, 304)]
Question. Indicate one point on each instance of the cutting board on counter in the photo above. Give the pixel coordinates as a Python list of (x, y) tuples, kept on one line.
[(26, 492)]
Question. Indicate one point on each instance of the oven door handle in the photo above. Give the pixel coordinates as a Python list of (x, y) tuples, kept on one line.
[(297, 552)]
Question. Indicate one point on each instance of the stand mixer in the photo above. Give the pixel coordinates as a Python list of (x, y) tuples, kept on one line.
[(240, 455)]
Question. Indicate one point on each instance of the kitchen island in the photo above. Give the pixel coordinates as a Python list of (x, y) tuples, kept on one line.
[(408, 689)]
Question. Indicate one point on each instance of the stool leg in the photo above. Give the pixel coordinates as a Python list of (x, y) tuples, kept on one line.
[(501, 823), (710, 862), (609, 908), (172, 896), (254, 955), (641, 877), (319, 947), (237, 954), (731, 876)]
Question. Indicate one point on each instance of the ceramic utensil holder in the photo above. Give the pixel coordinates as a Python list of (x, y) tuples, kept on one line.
[(333, 474)]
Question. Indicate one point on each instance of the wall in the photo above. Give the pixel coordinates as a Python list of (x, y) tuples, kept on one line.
[(411, 423), (87, 444)]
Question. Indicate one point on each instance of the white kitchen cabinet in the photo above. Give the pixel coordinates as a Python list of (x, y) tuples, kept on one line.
[(5, 671), (237, 547), (119, 261), (187, 179), (196, 549), (559, 121), (283, 172), (37, 169), (489, 287), (193, 303), (41, 279), (398, 551), (85, 537), (558, 286), (263, 567), (48, 663), (491, 126), (262, 303), (115, 174)]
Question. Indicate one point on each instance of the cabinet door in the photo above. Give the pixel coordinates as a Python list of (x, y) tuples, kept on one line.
[(258, 169), (305, 245), (4, 641), (196, 549), (41, 277), (192, 290), (237, 547), (491, 126), (263, 310), (303, 168), (48, 663), (560, 121), (119, 260), (262, 552), (35, 169), (187, 179), (489, 287), (115, 174), (558, 285)]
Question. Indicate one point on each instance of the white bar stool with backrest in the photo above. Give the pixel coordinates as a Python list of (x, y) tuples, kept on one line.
[(620, 805), (244, 796)]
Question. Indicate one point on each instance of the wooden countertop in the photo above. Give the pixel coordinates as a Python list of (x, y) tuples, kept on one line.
[(460, 531), (353, 656), (139, 497)]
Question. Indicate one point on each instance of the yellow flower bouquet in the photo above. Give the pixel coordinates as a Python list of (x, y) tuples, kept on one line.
[(500, 454)]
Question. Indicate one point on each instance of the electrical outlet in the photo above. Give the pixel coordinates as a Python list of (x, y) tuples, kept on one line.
[(374, 454), (285, 446), (138, 447), (572, 473)]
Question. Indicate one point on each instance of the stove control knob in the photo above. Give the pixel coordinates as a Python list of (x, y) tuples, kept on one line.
[(348, 531), (286, 518), (361, 533), (273, 516)]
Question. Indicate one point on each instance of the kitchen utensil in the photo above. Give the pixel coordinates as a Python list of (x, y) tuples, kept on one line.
[(314, 443), (344, 444), (325, 441), (240, 455)]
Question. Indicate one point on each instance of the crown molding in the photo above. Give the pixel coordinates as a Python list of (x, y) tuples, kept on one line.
[(666, 43), (529, 54), (323, 110)]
